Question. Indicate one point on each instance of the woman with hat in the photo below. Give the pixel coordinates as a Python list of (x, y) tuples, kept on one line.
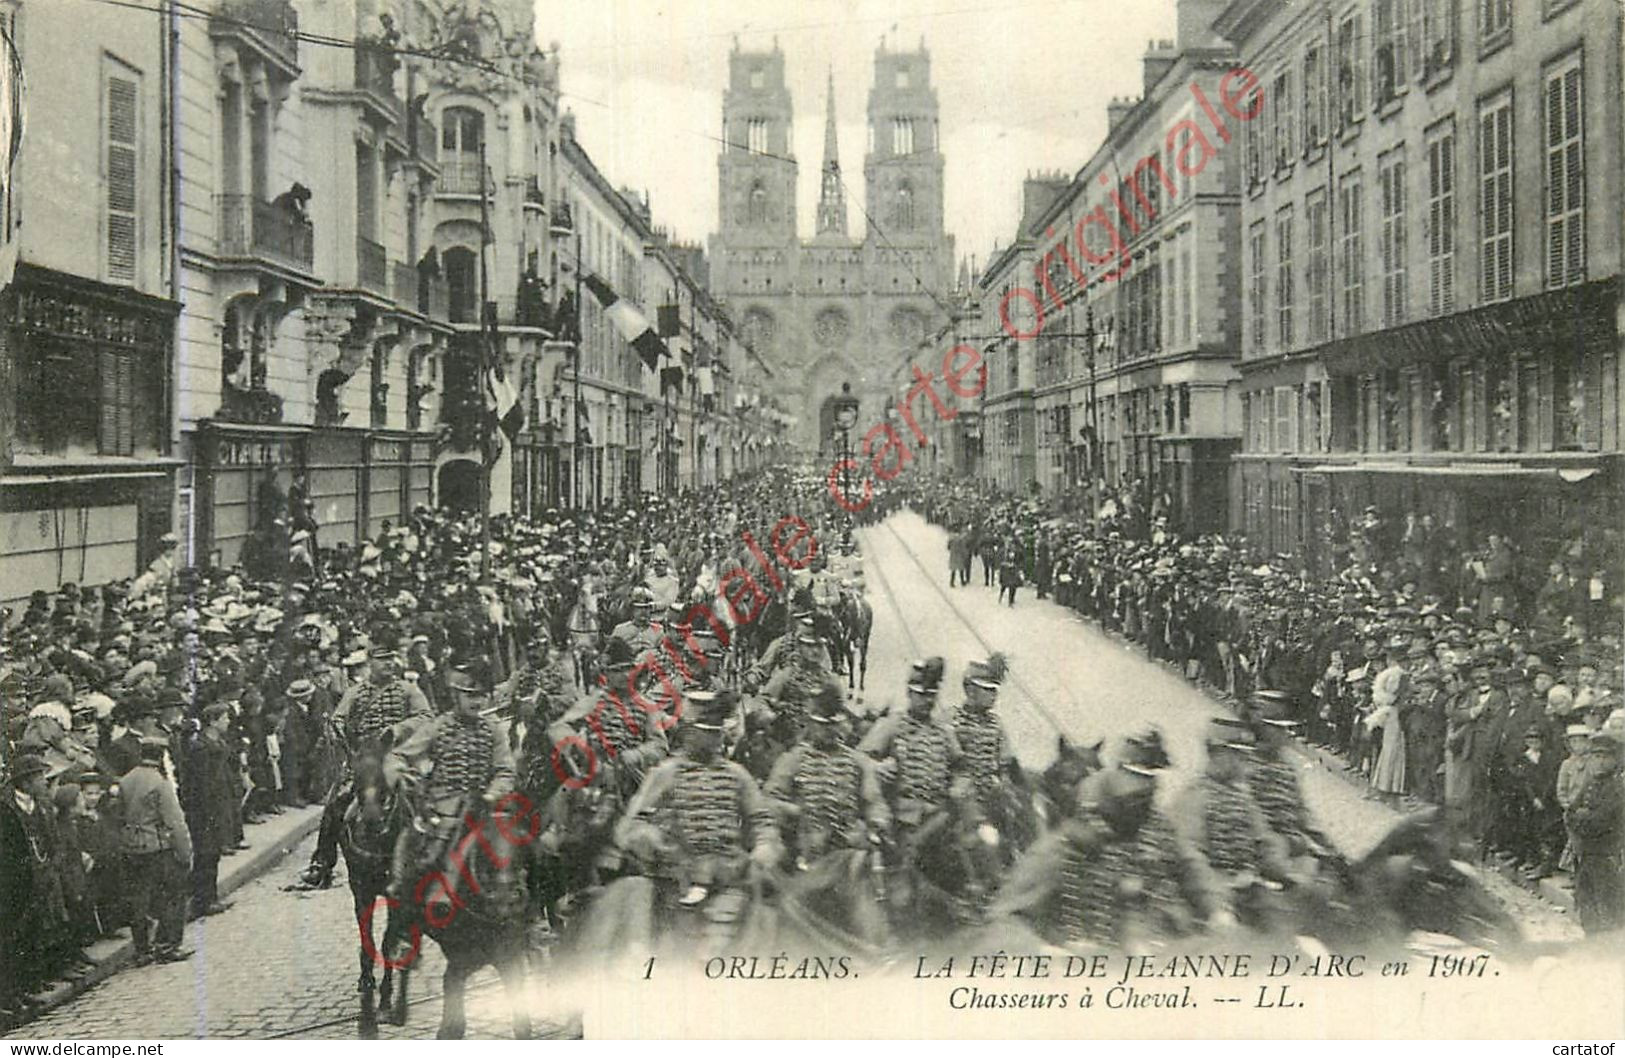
[(1390, 698)]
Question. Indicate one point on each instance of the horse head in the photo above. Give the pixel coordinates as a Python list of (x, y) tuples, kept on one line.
[(1058, 784)]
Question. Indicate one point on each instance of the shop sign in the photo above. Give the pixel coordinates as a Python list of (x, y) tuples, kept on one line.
[(233, 452)]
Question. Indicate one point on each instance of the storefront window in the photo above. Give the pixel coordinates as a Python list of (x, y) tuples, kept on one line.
[(1442, 406), (1499, 401), (1569, 403), (1392, 410)]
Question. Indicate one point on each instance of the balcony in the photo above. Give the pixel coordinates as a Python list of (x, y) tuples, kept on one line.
[(461, 175), (375, 79), (256, 229), (535, 197), (371, 266), (269, 27)]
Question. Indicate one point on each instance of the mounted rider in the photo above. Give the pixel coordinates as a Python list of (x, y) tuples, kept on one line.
[(700, 822), (802, 678), (1116, 874), (825, 589), (833, 815), (990, 763), (460, 765), (1246, 861), (635, 631), (1274, 779), (372, 714)]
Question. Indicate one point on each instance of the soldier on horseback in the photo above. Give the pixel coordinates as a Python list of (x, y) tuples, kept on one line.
[(1274, 780), (833, 815), (373, 713), (460, 764), (1246, 859), (1116, 873), (990, 762), (700, 822)]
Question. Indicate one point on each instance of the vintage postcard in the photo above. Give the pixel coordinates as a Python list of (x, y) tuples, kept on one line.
[(912, 520)]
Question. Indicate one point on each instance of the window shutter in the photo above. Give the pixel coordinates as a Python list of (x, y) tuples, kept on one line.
[(121, 179)]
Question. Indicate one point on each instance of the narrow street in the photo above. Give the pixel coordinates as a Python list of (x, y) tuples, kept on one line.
[(278, 964), (1068, 677)]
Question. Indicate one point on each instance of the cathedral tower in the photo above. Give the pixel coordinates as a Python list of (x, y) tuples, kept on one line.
[(903, 171), (756, 169)]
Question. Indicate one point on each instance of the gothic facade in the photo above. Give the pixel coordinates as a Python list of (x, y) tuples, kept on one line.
[(836, 308)]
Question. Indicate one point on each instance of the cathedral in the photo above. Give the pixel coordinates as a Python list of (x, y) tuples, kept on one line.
[(836, 308)]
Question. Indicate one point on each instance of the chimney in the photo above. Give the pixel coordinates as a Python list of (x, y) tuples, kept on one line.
[(1038, 193), (1160, 56), (1194, 23), (1117, 110)]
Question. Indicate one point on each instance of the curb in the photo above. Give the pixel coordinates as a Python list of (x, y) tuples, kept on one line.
[(116, 953)]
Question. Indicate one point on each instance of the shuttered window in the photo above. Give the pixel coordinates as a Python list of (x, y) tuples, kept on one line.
[(1565, 176), (1495, 197), (122, 90), (1391, 189), (1351, 229), (1441, 232), (116, 436)]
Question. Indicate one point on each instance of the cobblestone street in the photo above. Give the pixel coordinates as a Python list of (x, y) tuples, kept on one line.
[(278, 964)]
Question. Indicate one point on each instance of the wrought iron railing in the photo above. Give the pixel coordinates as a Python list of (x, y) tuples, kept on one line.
[(274, 24), (461, 176), (371, 266), (251, 227), (375, 75)]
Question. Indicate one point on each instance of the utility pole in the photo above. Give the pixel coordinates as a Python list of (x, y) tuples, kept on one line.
[(693, 388), (487, 326), (575, 409)]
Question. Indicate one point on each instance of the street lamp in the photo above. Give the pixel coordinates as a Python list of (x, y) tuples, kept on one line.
[(846, 417)]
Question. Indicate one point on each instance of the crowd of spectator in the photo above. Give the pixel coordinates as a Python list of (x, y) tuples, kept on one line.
[(1470, 671)]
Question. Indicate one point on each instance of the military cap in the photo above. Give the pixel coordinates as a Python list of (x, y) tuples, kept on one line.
[(711, 708), (1225, 732), (925, 676), (987, 674), (472, 675), (1144, 754), (1273, 707)]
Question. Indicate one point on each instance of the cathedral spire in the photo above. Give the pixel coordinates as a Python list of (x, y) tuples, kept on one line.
[(832, 194)]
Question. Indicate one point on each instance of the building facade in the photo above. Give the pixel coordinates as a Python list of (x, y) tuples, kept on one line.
[(1431, 305), (1115, 310), (833, 309), (292, 270), (88, 317)]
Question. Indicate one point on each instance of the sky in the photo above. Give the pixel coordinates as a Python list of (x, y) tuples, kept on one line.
[(1022, 86)]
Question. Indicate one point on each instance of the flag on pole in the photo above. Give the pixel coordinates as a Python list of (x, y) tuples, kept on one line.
[(502, 403), (628, 321)]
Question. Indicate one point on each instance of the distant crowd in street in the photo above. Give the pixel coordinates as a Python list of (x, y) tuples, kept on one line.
[(1445, 666), (146, 724)]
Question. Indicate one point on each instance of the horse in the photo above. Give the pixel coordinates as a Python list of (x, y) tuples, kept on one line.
[(475, 911), (857, 619), (1055, 789), (367, 840), (1410, 881), (586, 636)]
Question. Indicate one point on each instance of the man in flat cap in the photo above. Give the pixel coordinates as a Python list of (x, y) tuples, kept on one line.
[(157, 847)]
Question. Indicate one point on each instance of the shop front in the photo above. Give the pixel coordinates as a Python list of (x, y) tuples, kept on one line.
[(241, 477)]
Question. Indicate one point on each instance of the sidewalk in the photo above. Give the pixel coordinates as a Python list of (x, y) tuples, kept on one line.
[(269, 842)]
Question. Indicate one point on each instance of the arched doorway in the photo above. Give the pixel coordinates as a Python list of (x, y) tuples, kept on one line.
[(458, 486)]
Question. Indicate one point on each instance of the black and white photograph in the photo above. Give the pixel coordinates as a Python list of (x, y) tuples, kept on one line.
[(1127, 543)]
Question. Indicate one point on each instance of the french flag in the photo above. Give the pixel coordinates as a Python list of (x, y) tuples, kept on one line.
[(628, 322)]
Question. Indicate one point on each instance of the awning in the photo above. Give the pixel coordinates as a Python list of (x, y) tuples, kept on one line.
[(1571, 475)]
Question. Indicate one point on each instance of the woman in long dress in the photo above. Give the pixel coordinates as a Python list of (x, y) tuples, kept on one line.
[(1389, 694)]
